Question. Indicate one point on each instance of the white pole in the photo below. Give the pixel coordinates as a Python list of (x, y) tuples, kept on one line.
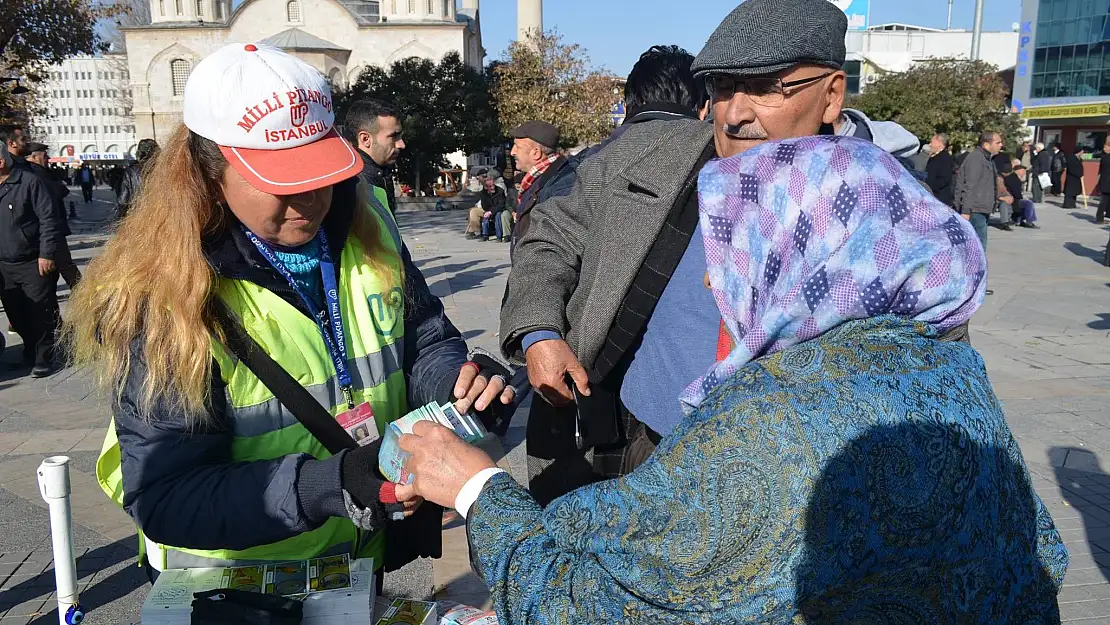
[(53, 476), (977, 30), (949, 27)]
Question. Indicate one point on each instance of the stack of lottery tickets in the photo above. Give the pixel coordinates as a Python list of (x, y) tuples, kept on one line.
[(391, 459)]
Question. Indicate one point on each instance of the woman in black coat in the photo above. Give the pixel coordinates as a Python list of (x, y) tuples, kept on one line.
[(1073, 183)]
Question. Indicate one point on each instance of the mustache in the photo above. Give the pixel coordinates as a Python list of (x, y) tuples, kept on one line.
[(745, 131)]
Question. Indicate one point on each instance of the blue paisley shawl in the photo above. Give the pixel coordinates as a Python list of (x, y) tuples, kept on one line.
[(841, 465), (864, 476)]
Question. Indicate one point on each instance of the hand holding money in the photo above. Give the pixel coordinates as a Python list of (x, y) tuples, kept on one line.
[(441, 462)]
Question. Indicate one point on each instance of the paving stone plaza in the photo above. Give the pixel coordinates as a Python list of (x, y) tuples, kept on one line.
[(1045, 336)]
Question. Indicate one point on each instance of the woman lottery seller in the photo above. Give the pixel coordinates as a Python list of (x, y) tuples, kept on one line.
[(245, 219)]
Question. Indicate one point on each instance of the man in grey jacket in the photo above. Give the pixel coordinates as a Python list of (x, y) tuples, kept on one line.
[(611, 276), (977, 184)]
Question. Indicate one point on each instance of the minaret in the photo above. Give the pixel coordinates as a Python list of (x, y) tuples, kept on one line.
[(529, 17)]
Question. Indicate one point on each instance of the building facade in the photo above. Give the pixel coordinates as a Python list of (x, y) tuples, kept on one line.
[(87, 110), (1062, 79), (338, 37), (892, 48)]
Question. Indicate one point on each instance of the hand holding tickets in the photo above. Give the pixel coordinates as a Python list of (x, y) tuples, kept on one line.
[(391, 459)]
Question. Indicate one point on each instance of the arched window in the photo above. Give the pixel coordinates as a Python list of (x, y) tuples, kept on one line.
[(293, 11), (179, 74), (335, 77)]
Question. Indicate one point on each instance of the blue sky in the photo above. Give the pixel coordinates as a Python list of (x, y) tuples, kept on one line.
[(615, 32)]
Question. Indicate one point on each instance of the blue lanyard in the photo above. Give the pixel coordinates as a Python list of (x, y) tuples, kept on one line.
[(333, 331)]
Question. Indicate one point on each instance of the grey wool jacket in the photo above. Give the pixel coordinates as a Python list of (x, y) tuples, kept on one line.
[(577, 258)]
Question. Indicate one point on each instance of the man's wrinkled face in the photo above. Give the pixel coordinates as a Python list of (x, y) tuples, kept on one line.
[(739, 123)]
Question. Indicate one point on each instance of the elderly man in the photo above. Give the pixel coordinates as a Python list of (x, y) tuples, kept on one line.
[(611, 276), (534, 146), (1042, 164)]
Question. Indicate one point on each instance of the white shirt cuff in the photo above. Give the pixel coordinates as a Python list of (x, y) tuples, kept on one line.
[(472, 489)]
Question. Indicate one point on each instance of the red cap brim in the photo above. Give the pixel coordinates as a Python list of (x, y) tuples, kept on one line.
[(296, 170)]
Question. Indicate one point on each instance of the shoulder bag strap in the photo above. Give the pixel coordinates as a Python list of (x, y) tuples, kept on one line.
[(314, 417)]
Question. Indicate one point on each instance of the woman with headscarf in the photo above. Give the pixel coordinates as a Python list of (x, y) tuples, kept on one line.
[(843, 463)]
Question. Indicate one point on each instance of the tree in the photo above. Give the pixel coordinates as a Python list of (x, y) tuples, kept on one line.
[(543, 79), (35, 34), (445, 107), (956, 97)]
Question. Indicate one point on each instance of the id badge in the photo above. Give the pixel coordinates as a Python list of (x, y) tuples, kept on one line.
[(360, 424)]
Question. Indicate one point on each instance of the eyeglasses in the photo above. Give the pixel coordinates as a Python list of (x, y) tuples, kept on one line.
[(769, 91)]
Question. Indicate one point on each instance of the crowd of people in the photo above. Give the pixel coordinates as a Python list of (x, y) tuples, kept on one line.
[(764, 408)]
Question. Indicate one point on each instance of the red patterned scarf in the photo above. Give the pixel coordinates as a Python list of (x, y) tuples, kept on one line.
[(537, 171)]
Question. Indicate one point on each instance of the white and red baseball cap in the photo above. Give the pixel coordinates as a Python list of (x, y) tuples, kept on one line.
[(271, 114)]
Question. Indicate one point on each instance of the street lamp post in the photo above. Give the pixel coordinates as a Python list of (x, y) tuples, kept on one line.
[(977, 30), (949, 27)]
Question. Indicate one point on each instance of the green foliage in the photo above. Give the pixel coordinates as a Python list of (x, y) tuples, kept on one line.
[(35, 34), (543, 79), (444, 107), (956, 97)]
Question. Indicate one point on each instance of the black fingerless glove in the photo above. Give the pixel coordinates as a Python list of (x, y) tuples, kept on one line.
[(367, 488)]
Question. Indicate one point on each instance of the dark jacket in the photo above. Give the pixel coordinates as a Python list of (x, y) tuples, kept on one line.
[(1058, 162), (180, 485), (58, 192), (1073, 182), (493, 201), (378, 176), (129, 188), (1013, 186), (1042, 162), (1104, 174), (29, 228), (977, 184), (941, 172)]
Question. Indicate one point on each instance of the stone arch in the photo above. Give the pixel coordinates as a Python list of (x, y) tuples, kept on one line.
[(89, 149), (336, 77), (170, 53), (112, 148), (131, 150), (412, 48)]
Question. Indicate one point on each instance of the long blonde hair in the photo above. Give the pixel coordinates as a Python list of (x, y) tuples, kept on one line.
[(153, 290)]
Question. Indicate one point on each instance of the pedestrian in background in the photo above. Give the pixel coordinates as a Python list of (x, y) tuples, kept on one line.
[(133, 176), (941, 170), (87, 180), (1103, 184), (1013, 178), (493, 201), (1025, 155), (1058, 164), (534, 149), (1042, 164), (29, 241), (977, 184), (375, 128), (63, 259), (1073, 182)]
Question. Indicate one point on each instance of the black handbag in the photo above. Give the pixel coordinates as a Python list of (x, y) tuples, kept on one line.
[(239, 607)]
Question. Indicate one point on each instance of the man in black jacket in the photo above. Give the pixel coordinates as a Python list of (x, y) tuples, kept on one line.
[(375, 129), (133, 176), (1103, 184), (36, 164), (941, 171), (29, 240), (1057, 164), (493, 202), (1073, 182)]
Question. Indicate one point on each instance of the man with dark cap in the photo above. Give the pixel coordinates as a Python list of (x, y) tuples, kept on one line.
[(29, 240), (607, 285), (534, 146), (36, 163)]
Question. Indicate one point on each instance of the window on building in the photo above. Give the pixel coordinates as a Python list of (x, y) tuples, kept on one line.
[(200, 8), (177, 4), (852, 68), (162, 7), (431, 6), (293, 11), (179, 75), (101, 92), (125, 75), (446, 8), (67, 75), (1072, 45), (393, 6), (412, 6), (220, 10)]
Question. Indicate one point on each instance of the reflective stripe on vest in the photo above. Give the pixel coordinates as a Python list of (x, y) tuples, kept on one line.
[(263, 429)]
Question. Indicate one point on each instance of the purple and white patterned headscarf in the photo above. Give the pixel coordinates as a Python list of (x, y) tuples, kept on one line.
[(805, 234)]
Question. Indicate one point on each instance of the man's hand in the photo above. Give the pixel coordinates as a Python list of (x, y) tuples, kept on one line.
[(473, 390), (46, 266), (440, 462), (549, 362)]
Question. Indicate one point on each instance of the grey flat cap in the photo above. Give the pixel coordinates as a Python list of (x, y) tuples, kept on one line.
[(542, 133), (764, 37)]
